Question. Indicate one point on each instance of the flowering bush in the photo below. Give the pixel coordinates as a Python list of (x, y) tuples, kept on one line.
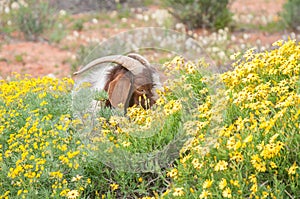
[(236, 141), (39, 156), (255, 150)]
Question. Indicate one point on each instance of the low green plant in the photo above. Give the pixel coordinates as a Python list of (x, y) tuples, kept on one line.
[(57, 33), (82, 53), (123, 11), (78, 24), (33, 18), (6, 26), (201, 13), (19, 58), (290, 14)]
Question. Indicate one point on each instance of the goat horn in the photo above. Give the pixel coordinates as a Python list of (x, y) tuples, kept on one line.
[(133, 65), (140, 58)]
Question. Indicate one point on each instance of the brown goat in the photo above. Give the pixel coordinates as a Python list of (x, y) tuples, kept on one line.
[(132, 81)]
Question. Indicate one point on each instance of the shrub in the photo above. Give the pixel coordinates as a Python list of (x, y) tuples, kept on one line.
[(201, 13), (83, 55), (78, 24), (33, 18), (290, 14), (254, 150)]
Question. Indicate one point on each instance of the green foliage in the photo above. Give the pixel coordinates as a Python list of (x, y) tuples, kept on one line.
[(19, 58), (201, 13), (57, 33), (82, 53), (5, 24), (78, 24), (290, 14), (33, 18), (123, 11)]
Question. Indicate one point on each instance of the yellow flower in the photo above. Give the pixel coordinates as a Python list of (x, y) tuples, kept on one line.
[(192, 190), (207, 184), (77, 178), (253, 178), (126, 143), (178, 192), (237, 156), (265, 194), (187, 87), (248, 139), (114, 186), (258, 164), (205, 194), (227, 193), (254, 188), (172, 106), (160, 101), (64, 192), (72, 194), (235, 183), (271, 150), (197, 164), (19, 192), (56, 174), (223, 183), (221, 165), (43, 103), (292, 169), (173, 173), (273, 165)]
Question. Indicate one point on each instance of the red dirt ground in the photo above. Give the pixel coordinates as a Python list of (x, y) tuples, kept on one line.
[(42, 58)]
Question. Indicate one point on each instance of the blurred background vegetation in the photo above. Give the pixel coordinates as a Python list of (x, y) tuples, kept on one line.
[(78, 26)]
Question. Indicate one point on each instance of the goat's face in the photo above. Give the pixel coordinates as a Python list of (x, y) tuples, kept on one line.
[(143, 96), (128, 89)]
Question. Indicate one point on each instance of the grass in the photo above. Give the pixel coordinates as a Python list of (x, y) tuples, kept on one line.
[(270, 27), (239, 140)]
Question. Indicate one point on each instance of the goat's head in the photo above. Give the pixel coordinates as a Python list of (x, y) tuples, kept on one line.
[(132, 81)]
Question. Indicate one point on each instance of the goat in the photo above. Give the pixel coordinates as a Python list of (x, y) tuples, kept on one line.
[(132, 81)]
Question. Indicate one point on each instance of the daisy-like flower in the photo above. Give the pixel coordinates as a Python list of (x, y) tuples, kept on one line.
[(221, 166), (205, 194), (207, 184), (72, 194), (223, 183), (178, 192), (173, 173), (292, 169), (114, 186), (227, 193), (76, 178)]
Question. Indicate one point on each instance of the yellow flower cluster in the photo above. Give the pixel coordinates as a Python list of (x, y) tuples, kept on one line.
[(251, 152), (140, 116), (36, 143)]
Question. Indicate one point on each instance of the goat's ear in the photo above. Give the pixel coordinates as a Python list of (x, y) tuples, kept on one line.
[(119, 90)]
